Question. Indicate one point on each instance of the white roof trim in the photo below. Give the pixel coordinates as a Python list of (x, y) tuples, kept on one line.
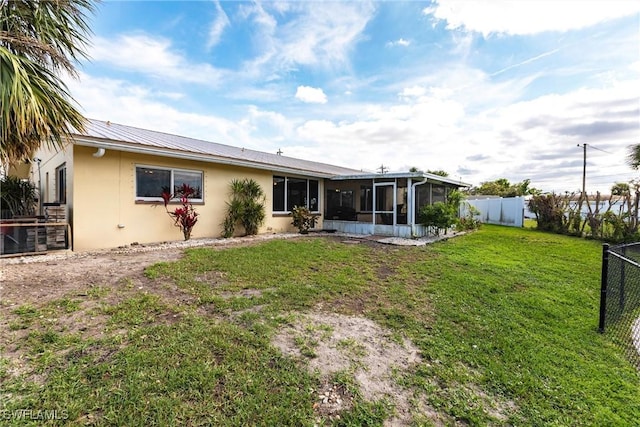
[(397, 175)]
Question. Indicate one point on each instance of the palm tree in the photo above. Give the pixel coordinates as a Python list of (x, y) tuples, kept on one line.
[(634, 156), (38, 40)]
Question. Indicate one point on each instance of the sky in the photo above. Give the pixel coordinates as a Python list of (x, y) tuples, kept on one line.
[(480, 89)]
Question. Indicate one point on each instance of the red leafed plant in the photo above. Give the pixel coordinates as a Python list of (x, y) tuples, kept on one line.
[(184, 217)]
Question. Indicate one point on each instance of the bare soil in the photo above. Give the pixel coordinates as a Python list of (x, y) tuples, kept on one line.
[(334, 343), (352, 344)]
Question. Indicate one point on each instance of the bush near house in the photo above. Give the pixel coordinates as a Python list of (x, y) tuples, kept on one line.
[(246, 207), (442, 216), (303, 219)]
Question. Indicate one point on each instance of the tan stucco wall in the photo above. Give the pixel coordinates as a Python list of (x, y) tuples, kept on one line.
[(50, 161), (104, 198)]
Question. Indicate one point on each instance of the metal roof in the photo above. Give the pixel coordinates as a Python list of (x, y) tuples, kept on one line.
[(110, 135)]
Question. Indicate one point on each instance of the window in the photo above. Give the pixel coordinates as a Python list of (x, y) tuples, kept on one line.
[(366, 198), (61, 183), (46, 188), (340, 205), (384, 198), (151, 180), (290, 192), (428, 194), (339, 198), (438, 193)]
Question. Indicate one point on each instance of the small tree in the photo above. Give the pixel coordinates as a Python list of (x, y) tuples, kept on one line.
[(469, 220), (439, 215), (185, 216), (549, 210), (245, 207)]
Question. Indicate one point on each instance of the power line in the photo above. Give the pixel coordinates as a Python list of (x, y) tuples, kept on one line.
[(599, 149)]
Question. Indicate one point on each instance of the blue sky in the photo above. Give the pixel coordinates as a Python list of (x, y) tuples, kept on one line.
[(482, 90)]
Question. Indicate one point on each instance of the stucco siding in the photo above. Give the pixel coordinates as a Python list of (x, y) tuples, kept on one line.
[(106, 213), (50, 161)]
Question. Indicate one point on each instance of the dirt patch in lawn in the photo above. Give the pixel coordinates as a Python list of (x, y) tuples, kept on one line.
[(336, 346), (355, 357), (90, 280)]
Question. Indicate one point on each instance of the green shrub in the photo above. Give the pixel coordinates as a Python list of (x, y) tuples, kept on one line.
[(17, 196), (469, 221), (303, 219), (440, 216), (245, 207)]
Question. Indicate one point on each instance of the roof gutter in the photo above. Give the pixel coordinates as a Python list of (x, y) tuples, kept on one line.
[(106, 144)]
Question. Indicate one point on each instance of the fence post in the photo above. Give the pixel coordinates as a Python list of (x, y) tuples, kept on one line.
[(622, 278), (603, 286)]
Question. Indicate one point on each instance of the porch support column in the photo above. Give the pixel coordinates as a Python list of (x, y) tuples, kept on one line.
[(412, 205)]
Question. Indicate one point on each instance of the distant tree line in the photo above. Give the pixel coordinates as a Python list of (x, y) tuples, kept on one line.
[(503, 188)]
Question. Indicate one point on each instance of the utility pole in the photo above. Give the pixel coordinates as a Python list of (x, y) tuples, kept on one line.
[(584, 169)]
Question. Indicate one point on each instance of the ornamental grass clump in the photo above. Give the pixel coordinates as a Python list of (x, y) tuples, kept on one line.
[(185, 216)]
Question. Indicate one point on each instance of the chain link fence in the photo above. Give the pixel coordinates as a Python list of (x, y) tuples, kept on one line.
[(620, 297)]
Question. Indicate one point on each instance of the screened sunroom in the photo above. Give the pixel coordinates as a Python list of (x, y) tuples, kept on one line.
[(383, 204)]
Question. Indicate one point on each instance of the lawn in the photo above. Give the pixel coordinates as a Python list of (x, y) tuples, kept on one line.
[(504, 321)]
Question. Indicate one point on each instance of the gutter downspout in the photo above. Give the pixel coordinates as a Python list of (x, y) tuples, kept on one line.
[(99, 153), (412, 205)]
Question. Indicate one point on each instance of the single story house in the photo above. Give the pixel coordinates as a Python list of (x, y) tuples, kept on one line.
[(110, 178)]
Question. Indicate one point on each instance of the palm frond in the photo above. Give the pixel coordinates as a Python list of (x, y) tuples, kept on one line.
[(634, 156), (38, 40), (35, 108)]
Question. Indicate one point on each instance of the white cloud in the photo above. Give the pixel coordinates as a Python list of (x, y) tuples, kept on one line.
[(528, 16), (536, 139), (311, 95), (219, 24), (400, 42), (431, 127), (152, 56), (314, 34), (413, 91), (269, 125), (122, 102)]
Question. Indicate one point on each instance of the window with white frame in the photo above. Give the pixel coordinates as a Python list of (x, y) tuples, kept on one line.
[(152, 180), (289, 192)]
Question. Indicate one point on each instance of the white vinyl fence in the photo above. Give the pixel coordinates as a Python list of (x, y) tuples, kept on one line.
[(502, 211)]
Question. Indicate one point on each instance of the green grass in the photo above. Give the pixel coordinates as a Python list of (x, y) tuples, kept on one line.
[(505, 320)]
